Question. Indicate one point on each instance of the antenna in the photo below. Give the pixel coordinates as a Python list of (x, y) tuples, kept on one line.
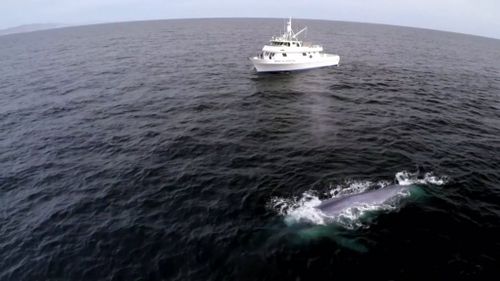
[(284, 26)]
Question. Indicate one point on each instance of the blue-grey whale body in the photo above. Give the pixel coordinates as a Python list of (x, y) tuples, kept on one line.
[(335, 206)]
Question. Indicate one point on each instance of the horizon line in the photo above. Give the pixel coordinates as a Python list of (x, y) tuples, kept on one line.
[(67, 25)]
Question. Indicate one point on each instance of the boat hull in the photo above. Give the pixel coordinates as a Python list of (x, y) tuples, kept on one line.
[(264, 65)]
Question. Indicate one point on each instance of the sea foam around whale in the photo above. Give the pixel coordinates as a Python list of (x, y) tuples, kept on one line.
[(303, 209)]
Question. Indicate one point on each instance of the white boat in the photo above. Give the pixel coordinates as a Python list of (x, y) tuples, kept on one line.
[(288, 53)]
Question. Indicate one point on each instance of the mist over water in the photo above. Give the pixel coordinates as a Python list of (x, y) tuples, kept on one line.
[(153, 151)]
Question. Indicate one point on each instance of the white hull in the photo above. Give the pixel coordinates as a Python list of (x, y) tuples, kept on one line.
[(266, 65)]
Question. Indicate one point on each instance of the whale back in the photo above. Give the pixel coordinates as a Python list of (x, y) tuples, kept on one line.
[(335, 206)]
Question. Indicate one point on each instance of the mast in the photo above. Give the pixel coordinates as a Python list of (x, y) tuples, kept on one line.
[(289, 34)]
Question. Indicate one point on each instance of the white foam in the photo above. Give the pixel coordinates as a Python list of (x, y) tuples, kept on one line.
[(350, 217), (353, 187), (407, 178), (299, 210)]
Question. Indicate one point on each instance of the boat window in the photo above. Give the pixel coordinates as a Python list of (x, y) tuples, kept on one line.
[(304, 54), (288, 44), (284, 54)]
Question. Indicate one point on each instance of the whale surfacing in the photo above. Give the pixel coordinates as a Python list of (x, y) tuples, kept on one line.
[(335, 206)]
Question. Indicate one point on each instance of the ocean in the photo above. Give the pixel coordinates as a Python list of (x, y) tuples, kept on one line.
[(153, 151)]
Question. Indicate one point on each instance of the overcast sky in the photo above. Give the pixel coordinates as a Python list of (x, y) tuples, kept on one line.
[(480, 17)]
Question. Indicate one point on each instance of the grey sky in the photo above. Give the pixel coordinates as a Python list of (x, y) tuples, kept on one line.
[(480, 17)]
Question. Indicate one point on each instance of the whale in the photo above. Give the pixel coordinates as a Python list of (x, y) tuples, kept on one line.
[(337, 205)]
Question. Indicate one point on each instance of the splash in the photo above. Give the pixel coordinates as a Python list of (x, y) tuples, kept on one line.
[(296, 210), (407, 178), (303, 209)]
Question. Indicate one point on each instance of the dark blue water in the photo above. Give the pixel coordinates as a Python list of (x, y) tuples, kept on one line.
[(153, 151)]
